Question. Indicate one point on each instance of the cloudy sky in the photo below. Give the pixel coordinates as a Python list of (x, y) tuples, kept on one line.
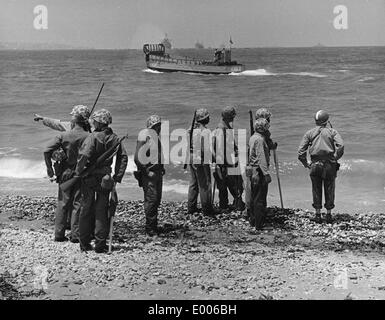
[(251, 23)]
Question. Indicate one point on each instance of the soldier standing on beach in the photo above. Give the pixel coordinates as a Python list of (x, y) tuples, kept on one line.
[(68, 201), (99, 183), (259, 162), (223, 179), (261, 113), (200, 173), (325, 147), (148, 159)]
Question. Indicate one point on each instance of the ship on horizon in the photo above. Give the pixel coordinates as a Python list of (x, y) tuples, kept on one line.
[(199, 45), (166, 42)]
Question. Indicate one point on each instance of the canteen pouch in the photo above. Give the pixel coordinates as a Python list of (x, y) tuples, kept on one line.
[(107, 183), (138, 176)]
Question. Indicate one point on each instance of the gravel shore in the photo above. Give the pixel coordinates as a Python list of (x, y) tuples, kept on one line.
[(197, 257)]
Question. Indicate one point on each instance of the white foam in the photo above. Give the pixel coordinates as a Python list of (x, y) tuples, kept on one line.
[(263, 72), (306, 74), (252, 73), (151, 71), (22, 168)]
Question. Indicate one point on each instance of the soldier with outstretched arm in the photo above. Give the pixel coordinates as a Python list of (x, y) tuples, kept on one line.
[(98, 183), (68, 203)]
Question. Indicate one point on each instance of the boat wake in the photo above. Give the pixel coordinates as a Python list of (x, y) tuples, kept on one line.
[(263, 72), (151, 71)]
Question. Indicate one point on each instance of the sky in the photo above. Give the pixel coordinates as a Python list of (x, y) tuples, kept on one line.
[(122, 24)]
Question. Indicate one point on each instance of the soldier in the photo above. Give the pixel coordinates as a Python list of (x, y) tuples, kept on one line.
[(224, 180), (99, 183), (326, 147), (261, 113), (151, 172), (200, 181), (259, 161), (61, 125), (68, 201)]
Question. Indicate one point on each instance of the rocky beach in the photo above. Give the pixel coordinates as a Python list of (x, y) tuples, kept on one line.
[(196, 257)]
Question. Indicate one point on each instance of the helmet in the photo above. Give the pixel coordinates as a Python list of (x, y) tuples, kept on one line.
[(153, 120), (102, 116), (59, 155), (263, 113), (202, 114), (261, 125), (81, 111), (321, 117), (228, 113)]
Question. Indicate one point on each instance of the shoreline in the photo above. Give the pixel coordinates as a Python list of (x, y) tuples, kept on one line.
[(197, 258)]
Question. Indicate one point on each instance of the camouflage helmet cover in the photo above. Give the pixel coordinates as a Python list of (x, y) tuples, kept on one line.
[(81, 111), (153, 120), (261, 125), (102, 116), (262, 113), (228, 112), (58, 155), (202, 114)]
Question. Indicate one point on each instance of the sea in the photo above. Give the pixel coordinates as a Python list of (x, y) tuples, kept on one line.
[(293, 83)]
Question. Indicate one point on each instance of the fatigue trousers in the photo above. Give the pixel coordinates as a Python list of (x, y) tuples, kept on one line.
[(152, 189), (258, 200), (232, 183), (68, 207), (94, 212), (323, 172), (200, 183)]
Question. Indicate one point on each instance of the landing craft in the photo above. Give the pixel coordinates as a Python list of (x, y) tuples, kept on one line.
[(157, 59)]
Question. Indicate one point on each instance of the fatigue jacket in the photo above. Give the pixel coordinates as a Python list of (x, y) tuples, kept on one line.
[(148, 160), (323, 144), (94, 146), (57, 124), (201, 138), (259, 153), (224, 130), (70, 142)]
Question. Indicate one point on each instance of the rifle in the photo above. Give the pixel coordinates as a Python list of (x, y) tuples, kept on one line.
[(251, 123), (96, 101), (107, 154), (191, 137), (113, 203), (277, 170)]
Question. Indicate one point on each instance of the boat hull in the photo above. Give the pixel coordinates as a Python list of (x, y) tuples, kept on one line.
[(194, 68)]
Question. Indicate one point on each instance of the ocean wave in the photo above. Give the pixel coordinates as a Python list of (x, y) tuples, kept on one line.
[(306, 74), (367, 79), (173, 185), (151, 71), (22, 168)]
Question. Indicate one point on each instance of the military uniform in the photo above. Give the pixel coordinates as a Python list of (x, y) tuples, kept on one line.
[(325, 147), (261, 113), (68, 206), (151, 175), (233, 183), (259, 162), (96, 214), (200, 173)]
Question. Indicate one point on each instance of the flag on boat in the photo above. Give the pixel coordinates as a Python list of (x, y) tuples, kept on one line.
[(231, 41)]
